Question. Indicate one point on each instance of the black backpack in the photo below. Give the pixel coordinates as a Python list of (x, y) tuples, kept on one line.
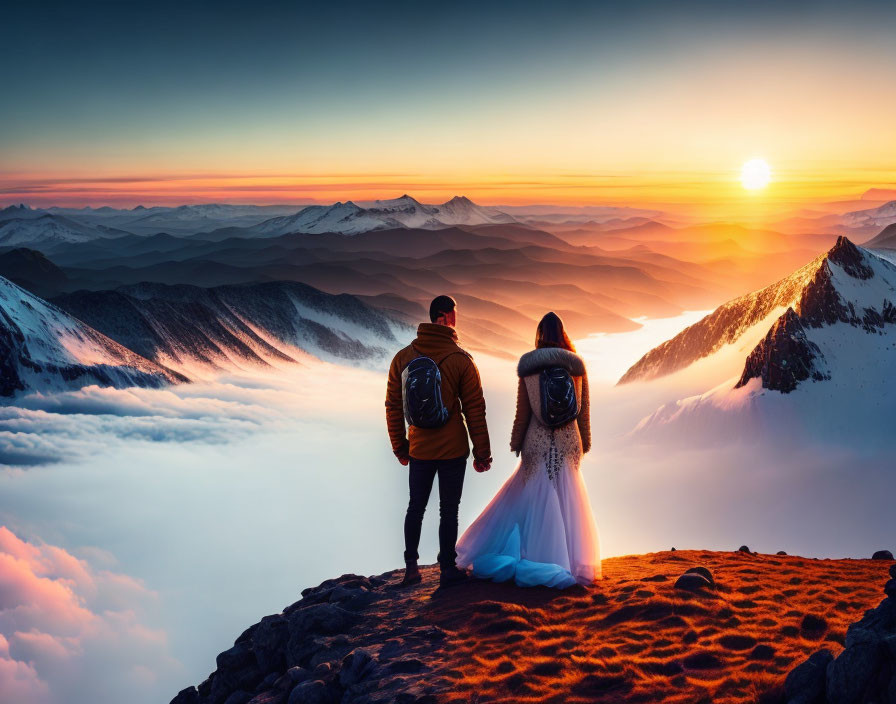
[(559, 404), (421, 391)]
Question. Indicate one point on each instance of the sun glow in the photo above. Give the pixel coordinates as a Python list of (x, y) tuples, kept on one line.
[(755, 174)]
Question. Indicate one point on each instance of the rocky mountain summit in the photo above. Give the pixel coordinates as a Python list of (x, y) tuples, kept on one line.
[(676, 626), (847, 284)]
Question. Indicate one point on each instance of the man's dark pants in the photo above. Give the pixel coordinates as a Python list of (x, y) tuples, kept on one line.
[(421, 475)]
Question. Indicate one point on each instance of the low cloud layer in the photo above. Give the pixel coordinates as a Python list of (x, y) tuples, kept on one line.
[(74, 632), (48, 428)]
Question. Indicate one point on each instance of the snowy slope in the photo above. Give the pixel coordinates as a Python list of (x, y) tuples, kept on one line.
[(405, 212), (742, 321), (822, 371), (873, 217), (45, 349)]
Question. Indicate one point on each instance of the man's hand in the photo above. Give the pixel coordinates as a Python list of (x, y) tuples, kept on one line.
[(404, 461), (482, 465)]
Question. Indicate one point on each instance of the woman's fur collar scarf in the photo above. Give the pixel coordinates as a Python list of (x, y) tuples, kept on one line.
[(543, 357)]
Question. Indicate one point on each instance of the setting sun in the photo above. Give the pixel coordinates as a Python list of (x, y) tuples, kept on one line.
[(755, 174)]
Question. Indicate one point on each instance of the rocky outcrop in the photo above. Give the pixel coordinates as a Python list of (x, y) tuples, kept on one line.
[(731, 631), (326, 648), (864, 673), (785, 357)]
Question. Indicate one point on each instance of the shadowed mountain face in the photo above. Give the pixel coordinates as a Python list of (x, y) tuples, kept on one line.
[(885, 239), (32, 270), (235, 327), (784, 357), (43, 348), (730, 633)]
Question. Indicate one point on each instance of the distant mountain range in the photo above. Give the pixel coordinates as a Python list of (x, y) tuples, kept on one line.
[(872, 217), (823, 346), (21, 225), (404, 212)]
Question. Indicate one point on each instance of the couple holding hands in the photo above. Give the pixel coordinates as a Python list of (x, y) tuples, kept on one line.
[(539, 528)]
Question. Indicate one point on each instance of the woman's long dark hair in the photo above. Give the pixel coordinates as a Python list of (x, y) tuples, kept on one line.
[(550, 333)]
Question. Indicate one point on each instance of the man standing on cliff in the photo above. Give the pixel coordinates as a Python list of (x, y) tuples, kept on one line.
[(436, 443)]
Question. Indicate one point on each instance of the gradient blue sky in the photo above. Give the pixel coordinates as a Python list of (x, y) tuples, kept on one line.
[(370, 97)]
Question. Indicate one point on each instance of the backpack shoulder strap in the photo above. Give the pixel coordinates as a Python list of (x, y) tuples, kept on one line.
[(448, 354)]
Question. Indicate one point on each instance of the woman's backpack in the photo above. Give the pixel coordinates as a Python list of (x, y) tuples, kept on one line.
[(421, 391), (559, 404)]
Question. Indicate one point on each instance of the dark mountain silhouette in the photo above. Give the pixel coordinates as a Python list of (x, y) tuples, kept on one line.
[(885, 239), (30, 269)]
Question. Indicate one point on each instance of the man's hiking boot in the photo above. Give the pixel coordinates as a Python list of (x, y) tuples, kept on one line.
[(411, 575), (451, 576)]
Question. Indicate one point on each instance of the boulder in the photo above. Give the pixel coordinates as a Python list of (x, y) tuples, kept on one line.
[(806, 682), (744, 548), (298, 674), (693, 582), (237, 670), (270, 697), (780, 552), (186, 696), (882, 555), (850, 675), (356, 666), (268, 643), (702, 571), (312, 692), (321, 619), (236, 658), (238, 697)]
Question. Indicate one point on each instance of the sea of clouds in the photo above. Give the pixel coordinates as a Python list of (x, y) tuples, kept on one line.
[(145, 529)]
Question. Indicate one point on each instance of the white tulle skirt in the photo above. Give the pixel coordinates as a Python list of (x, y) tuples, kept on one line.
[(536, 531)]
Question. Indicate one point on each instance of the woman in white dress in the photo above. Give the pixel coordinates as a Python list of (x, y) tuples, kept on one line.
[(539, 528)]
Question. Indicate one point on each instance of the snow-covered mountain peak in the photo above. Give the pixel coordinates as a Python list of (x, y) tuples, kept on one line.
[(822, 290), (821, 364), (404, 212)]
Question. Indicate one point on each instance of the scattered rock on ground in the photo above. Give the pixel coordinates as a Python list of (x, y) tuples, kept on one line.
[(702, 571), (693, 582), (882, 555), (744, 548), (780, 552)]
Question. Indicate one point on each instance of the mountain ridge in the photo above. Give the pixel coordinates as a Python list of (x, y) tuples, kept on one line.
[(809, 291), (44, 348)]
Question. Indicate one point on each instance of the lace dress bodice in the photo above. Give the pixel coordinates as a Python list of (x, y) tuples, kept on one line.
[(541, 442)]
